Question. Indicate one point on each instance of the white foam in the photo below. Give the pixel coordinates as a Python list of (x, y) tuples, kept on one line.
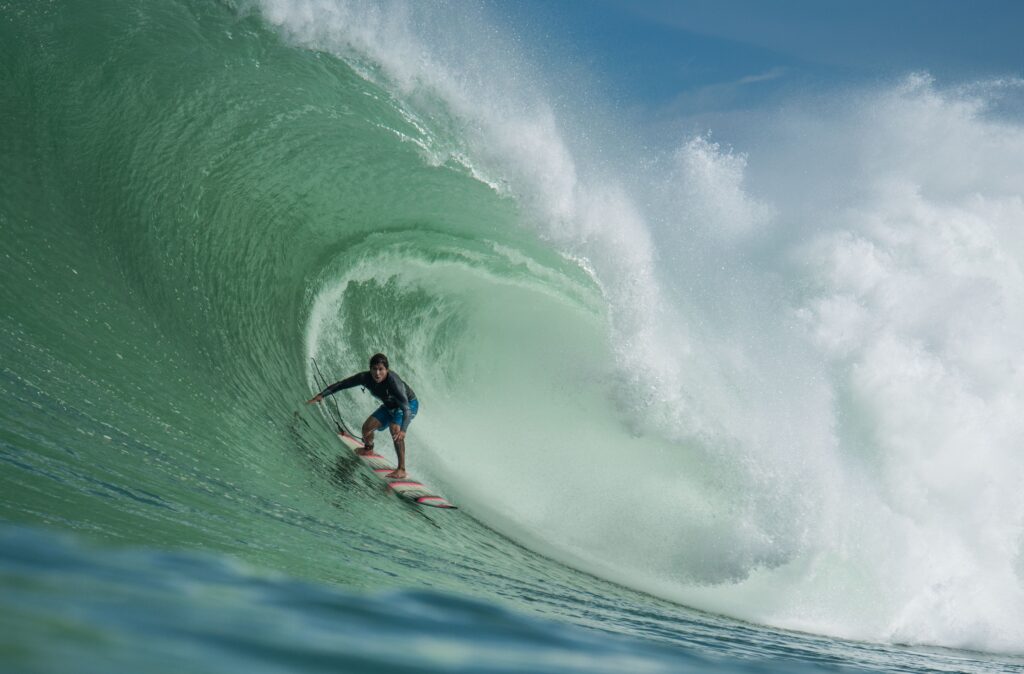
[(827, 374)]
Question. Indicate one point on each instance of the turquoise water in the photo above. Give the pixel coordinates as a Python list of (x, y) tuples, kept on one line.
[(197, 199)]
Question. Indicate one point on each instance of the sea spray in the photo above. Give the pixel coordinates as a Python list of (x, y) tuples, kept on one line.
[(760, 357)]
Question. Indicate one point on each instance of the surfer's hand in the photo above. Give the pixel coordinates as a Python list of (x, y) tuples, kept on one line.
[(398, 436), (315, 399)]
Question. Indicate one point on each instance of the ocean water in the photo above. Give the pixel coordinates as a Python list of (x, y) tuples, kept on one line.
[(748, 406)]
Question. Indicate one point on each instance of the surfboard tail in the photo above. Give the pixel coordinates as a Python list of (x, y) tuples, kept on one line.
[(408, 488)]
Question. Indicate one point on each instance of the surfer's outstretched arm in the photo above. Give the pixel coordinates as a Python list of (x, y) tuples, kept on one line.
[(348, 382)]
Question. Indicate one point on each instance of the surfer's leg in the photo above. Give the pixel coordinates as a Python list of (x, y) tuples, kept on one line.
[(400, 451), (369, 426), (395, 423)]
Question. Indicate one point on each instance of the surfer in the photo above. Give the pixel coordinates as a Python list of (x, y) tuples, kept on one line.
[(399, 408)]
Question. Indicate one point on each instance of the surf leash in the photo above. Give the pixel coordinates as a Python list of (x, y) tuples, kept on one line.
[(333, 410)]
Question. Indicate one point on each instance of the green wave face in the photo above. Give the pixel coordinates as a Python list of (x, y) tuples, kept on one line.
[(192, 210)]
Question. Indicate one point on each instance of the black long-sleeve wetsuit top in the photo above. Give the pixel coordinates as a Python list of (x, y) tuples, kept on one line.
[(393, 392)]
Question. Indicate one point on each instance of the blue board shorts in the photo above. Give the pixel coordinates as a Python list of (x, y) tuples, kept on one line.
[(387, 417)]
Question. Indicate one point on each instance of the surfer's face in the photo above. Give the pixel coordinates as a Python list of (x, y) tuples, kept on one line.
[(378, 372)]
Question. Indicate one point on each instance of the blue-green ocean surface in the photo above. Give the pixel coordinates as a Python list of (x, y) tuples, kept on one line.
[(197, 198)]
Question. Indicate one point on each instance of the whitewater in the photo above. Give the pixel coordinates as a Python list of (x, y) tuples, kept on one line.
[(737, 399)]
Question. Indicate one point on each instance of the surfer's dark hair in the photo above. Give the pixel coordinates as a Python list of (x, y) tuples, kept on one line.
[(379, 358)]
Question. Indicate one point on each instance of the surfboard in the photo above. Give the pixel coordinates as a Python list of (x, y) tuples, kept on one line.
[(411, 490)]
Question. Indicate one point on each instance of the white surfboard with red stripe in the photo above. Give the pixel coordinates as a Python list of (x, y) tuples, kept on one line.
[(407, 488)]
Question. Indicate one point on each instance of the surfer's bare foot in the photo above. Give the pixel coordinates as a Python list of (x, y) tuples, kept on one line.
[(365, 451), (397, 473)]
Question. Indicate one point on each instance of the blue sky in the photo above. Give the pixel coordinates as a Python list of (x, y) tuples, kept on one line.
[(708, 55)]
